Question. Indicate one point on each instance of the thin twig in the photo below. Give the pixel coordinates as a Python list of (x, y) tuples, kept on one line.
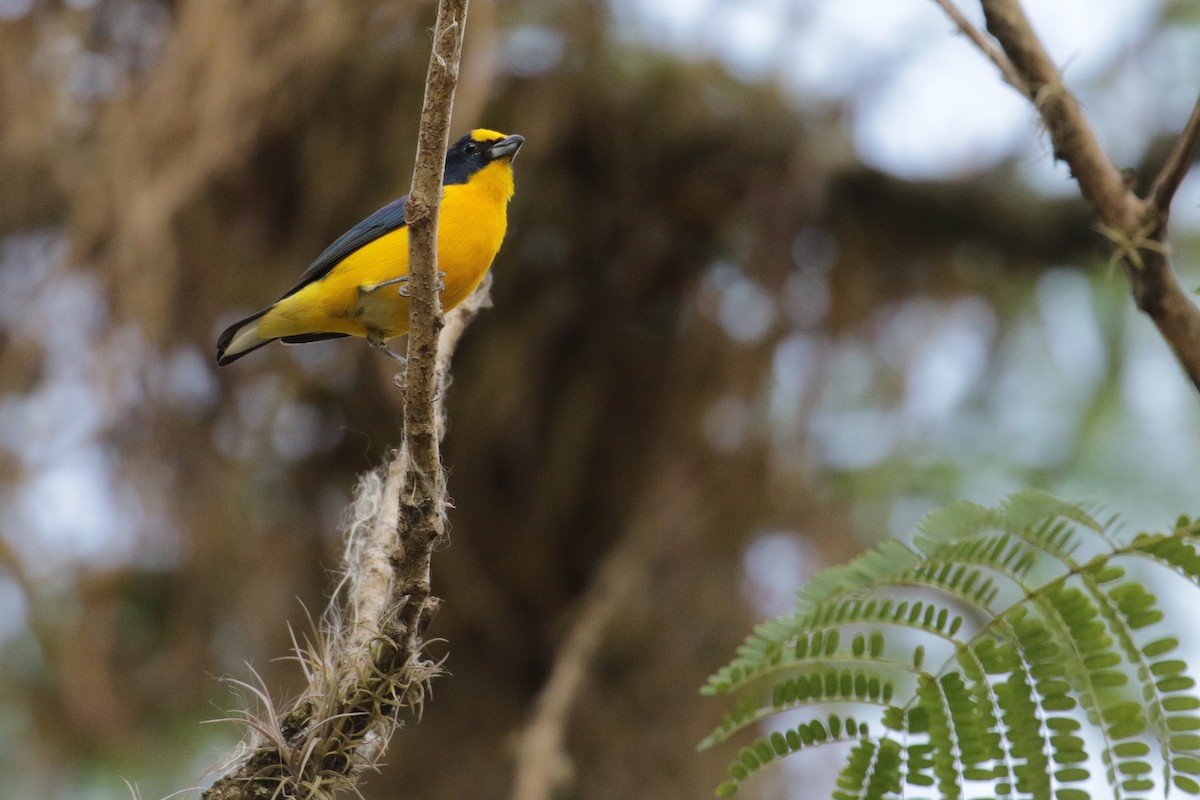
[(986, 45), (1182, 156), (421, 216), (423, 502), (1102, 184)]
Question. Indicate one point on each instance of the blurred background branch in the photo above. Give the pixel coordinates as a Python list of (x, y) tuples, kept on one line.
[(544, 768), (1136, 228)]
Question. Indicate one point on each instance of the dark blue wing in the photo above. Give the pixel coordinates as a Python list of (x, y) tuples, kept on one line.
[(381, 223)]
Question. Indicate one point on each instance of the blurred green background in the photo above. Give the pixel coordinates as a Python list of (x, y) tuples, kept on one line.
[(781, 276)]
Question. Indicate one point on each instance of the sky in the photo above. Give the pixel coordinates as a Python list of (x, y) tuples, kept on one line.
[(924, 103)]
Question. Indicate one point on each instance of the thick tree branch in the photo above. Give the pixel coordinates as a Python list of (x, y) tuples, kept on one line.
[(366, 663), (1136, 228), (423, 502)]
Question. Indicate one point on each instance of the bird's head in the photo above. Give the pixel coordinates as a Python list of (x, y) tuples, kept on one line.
[(479, 149)]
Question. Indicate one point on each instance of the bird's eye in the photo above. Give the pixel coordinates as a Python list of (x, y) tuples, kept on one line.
[(471, 149)]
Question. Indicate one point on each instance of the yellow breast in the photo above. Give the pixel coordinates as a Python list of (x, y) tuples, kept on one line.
[(473, 219)]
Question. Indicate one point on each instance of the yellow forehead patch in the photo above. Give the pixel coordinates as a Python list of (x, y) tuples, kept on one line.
[(485, 135)]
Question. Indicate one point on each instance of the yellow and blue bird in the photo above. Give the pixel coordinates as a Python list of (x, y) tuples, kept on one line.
[(357, 286)]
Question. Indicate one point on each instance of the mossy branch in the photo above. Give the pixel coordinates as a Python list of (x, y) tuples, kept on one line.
[(365, 662)]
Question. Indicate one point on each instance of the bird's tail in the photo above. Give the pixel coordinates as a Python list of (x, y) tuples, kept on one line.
[(240, 338)]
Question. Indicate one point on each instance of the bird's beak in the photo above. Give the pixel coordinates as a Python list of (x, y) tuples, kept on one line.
[(508, 146)]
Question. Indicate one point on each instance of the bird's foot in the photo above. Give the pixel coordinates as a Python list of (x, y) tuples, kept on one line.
[(379, 344), (441, 285), (370, 287), (403, 291)]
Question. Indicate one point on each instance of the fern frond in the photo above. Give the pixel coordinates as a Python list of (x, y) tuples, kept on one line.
[(872, 771), (766, 749), (1024, 661)]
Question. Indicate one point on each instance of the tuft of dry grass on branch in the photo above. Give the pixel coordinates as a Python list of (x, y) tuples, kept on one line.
[(1135, 226), (366, 663), (360, 665)]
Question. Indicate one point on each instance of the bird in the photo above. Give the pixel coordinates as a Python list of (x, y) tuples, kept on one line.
[(357, 286)]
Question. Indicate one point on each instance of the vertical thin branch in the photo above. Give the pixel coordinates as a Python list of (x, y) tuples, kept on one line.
[(423, 501), (421, 216), (411, 519)]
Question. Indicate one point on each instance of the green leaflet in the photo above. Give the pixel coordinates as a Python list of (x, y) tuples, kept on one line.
[(1006, 646)]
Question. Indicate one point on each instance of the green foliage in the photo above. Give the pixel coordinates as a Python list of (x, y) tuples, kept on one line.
[(1005, 648)]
